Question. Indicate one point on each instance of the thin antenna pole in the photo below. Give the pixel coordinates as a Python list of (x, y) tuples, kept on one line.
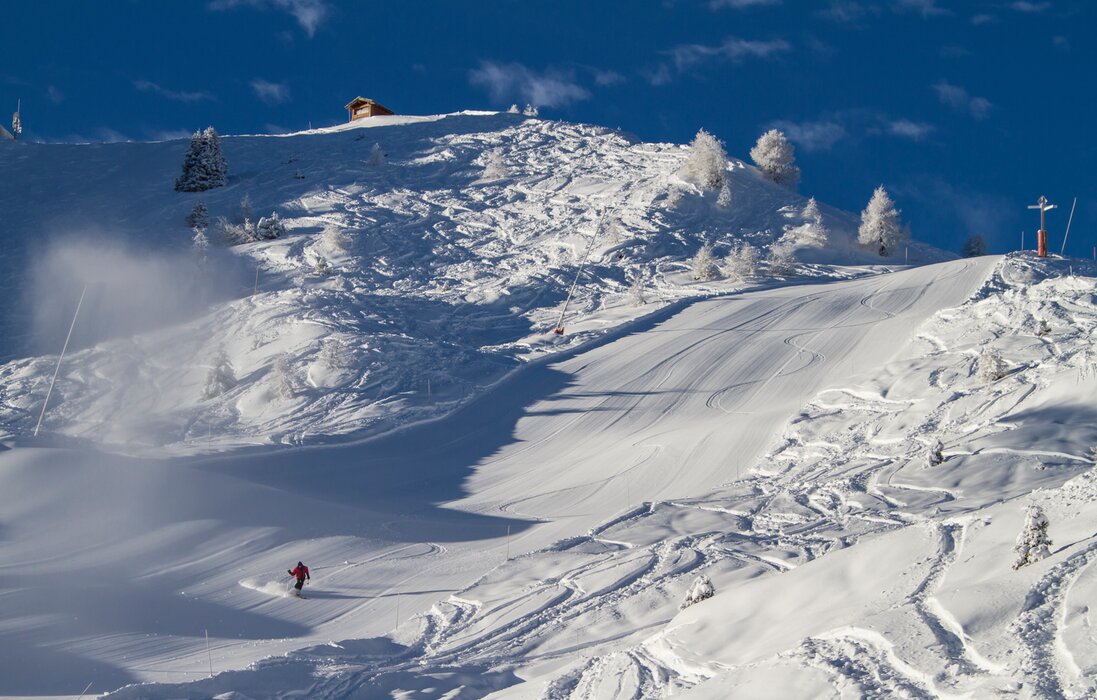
[(209, 654), (58, 367), (560, 323), (86, 689), (1063, 251)]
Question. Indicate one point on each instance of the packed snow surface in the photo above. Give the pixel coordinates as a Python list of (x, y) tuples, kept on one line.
[(509, 512)]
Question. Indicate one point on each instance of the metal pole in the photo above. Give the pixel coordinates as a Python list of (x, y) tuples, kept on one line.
[(559, 330), (86, 689), (209, 654), (60, 357), (1070, 219)]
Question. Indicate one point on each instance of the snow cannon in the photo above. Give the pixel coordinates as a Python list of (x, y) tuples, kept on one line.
[(1041, 243)]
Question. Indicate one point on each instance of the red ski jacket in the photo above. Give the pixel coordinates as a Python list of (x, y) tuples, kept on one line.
[(301, 572)]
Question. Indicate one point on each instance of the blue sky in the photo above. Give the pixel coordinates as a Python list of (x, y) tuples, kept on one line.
[(966, 111)]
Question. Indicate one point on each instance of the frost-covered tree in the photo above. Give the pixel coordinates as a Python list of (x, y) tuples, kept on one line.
[(723, 200), (742, 262), (1033, 544), (1043, 327), (494, 167), (700, 589), (707, 161), (776, 158), (704, 264), (321, 268), (270, 227), (204, 165), (934, 455), (236, 234), (199, 242), (244, 211), (513, 109), (282, 373), (991, 366), (198, 216), (813, 232), (636, 289), (221, 377), (376, 156), (975, 246), (781, 260), (531, 111), (880, 229)]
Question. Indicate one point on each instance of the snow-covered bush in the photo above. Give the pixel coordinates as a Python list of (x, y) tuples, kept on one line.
[(321, 268), (282, 373), (742, 262), (723, 200), (531, 111), (376, 156), (781, 260), (204, 165), (236, 234), (494, 168), (974, 246), (776, 158), (707, 161), (221, 377), (636, 289), (700, 589), (198, 216), (704, 264), (1043, 327), (991, 366), (336, 354), (880, 229), (1033, 544), (673, 198), (270, 227), (934, 455)]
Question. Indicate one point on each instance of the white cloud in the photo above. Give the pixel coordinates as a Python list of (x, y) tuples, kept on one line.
[(958, 98), (176, 95), (271, 93), (55, 95), (1060, 42), (848, 11), (926, 8), (981, 19), (732, 49), (608, 77), (169, 134), (908, 129), (1026, 6), (308, 13), (509, 81), (812, 136), (741, 4)]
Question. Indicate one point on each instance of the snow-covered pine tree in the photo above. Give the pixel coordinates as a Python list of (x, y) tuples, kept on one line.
[(200, 242), (270, 227), (935, 455), (198, 216), (321, 268), (1033, 544), (700, 589), (513, 109), (880, 229), (975, 246), (707, 161), (1043, 327), (221, 377), (742, 262), (723, 200), (813, 232), (776, 158), (244, 211), (204, 165), (236, 234), (531, 111), (991, 366), (704, 264), (376, 156), (494, 168), (781, 260)]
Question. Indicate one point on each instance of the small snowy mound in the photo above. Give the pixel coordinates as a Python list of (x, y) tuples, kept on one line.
[(274, 588)]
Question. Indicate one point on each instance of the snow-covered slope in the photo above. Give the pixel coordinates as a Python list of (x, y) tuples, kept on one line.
[(534, 531)]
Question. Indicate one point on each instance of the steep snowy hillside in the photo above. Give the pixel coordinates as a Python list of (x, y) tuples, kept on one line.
[(848, 561), (401, 288)]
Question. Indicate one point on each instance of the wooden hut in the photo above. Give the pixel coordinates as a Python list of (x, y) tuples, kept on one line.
[(360, 108)]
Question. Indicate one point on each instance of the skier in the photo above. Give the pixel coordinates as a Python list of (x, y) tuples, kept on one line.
[(302, 574)]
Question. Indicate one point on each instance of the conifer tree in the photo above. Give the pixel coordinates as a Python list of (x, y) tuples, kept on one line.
[(1033, 544), (742, 262), (880, 229), (270, 227), (221, 377), (776, 158), (198, 216), (723, 200), (975, 246), (204, 165), (704, 264)]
